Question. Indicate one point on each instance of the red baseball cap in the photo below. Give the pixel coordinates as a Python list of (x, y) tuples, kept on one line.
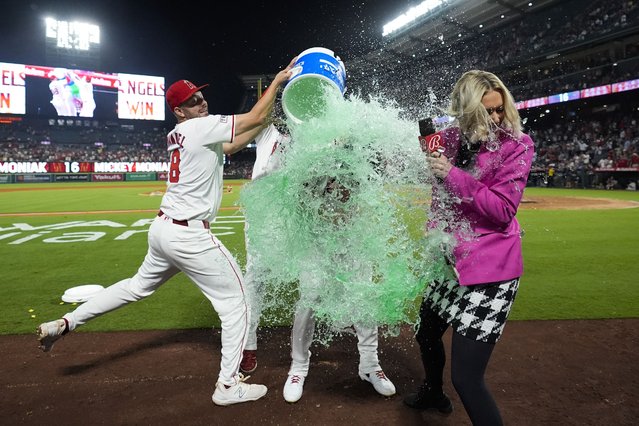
[(180, 91)]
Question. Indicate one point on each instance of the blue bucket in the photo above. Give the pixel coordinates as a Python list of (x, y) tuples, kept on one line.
[(317, 73)]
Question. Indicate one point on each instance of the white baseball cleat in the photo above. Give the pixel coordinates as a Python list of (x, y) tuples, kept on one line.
[(293, 388), (49, 332), (380, 382), (238, 392)]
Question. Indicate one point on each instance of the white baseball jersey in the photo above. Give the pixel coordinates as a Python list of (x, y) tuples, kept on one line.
[(194, 186), (268, 142)]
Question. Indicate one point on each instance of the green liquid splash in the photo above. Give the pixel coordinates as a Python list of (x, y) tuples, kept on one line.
[(340, 226)]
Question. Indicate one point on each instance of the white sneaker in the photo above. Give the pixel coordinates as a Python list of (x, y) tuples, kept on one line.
[(49, 332), (239, 392), (293, 388), (380, 382)]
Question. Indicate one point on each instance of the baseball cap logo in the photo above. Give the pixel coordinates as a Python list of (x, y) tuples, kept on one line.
[(190, 85)]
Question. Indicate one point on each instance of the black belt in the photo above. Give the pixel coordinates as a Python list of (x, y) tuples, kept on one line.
[(205, 223)]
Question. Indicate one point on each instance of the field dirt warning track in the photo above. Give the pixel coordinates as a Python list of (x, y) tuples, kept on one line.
[(576, 372), (574, 203), (528, 203)]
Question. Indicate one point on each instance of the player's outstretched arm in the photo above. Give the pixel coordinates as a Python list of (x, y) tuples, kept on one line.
[(240, 141)]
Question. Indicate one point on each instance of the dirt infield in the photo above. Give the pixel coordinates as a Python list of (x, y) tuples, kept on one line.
[(574, 203), (541, 373), (535, 203)]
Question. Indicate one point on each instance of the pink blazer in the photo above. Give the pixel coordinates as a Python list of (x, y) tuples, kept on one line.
[(487, 195)]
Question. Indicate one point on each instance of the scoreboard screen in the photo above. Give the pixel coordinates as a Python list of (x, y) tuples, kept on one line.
[(36, 90)]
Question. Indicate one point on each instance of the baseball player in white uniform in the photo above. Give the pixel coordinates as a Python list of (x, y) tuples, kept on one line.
[(268, 145), (270, 142), (179, 237)]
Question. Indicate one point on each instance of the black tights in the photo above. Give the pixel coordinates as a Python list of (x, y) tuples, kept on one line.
[(469, 359)]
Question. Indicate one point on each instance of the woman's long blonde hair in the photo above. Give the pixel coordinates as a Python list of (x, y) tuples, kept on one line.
[(469, 113)]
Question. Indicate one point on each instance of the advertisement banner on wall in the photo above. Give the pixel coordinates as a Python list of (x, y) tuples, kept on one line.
[(78, 177), (32, 178), (107, 177), (140, 176)]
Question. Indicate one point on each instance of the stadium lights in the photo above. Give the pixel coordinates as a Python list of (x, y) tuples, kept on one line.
[(410, 16), (72, 35)]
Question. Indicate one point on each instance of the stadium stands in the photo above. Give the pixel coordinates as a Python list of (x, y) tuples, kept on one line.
[(568, 46)]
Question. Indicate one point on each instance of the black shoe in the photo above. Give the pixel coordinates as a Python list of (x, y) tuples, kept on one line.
[(426, 399)]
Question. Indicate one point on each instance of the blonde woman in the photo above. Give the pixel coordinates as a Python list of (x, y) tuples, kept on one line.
[(479, 181)]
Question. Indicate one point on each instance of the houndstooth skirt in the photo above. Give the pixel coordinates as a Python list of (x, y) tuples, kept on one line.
[(478, 312)]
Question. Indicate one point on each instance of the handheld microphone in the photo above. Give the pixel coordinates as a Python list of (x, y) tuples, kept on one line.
[(429, 139)]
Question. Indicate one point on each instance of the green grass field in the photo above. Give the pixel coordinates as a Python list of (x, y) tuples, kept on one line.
[(578, 263)]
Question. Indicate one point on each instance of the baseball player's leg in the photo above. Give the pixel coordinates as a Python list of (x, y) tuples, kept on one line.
[(304, 321), (253, 289), (301, 339), (154, 271), (367, 347), (113, 297), (369, 368), (220, 278)]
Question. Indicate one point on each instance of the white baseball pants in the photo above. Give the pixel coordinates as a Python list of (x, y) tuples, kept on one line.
[(302, 337), (254, 289), (204, 259), (304, 327)]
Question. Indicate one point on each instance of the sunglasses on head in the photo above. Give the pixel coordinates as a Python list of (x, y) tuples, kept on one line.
[(498, 110), (193, 101)]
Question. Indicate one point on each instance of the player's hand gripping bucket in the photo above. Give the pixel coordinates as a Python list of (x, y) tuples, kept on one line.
[(317, 73)]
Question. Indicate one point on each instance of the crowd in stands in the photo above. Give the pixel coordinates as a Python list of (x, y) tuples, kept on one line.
[(593, 153), (553, 51), (20, 142), (567, 23), (26, 143), (577, 153)]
